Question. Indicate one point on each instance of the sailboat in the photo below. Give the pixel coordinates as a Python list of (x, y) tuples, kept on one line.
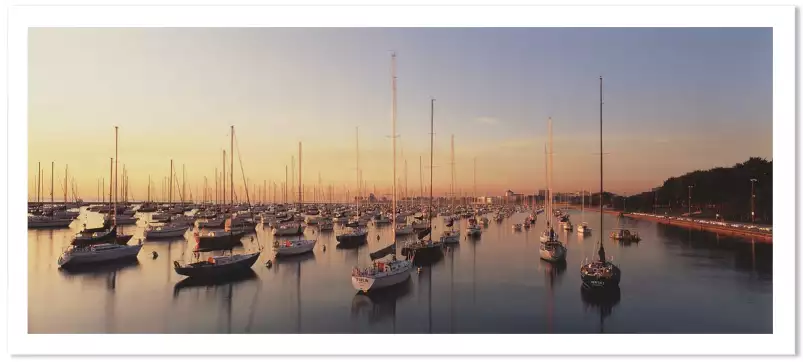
[(112, 248), (451, 236), (551, 249), (427, 249), (601, 273), (389, 271), (229, 236), (356, 234), (583, 228)]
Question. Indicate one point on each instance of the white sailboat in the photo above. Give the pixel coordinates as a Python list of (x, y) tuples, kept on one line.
[(583, 228), (452, 235), (385, 272), (293, 247), (105, 252), (551, 249)]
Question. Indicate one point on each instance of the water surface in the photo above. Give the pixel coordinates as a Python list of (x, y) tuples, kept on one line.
[(673, 281)]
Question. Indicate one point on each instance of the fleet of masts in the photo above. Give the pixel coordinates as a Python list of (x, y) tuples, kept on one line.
[(275, 205)]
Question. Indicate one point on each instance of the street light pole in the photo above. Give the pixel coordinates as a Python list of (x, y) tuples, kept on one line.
[(753, 200), (690, 187)]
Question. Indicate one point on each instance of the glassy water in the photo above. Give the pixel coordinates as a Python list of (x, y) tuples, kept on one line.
[(673, 281)]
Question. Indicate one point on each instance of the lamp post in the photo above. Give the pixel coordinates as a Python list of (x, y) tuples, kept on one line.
[(690, 187), (753, 200)]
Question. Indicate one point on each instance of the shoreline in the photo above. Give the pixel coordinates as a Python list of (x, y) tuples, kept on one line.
[(722, 230)]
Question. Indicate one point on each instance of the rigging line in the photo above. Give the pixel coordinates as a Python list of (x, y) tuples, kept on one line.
[(242, 171)]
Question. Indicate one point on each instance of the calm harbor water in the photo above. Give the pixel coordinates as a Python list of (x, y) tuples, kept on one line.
[(673, 281)]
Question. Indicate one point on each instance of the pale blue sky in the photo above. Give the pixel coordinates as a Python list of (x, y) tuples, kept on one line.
[(676, 100)]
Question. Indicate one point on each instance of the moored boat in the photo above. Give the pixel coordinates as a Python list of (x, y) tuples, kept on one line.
[(381, 274), (35, 222), (97, 253), (293, 247), (216, 266), (165, 231), (353, 236)]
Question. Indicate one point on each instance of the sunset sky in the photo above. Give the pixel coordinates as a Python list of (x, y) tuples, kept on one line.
[(676, 100)]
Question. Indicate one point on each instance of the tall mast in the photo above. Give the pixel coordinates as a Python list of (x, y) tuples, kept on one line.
[(38, 181), (170, 185), (475, 180), (393, 136), (223, 181), (183, 183), (420, 177), (357, 137), (52, 168), (546, 186), (551, 211), (114, 216), (300, 196), (149, 188), (452, 167), (601, 248), (231, 165), (66, 167), (111, 176), (292, 176), (431, 150)]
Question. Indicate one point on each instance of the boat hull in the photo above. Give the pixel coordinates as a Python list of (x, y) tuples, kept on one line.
[(352, 239), (451, 239), (289, 231), (50, 224), (600, 283), (423, 255), (128, 252), (153, 234), (365, 284), (301, 249), (555, 255), (240, 266)]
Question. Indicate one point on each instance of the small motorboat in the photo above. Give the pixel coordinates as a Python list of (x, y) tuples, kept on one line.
[(517, 227), (217, 265), (293, 247)]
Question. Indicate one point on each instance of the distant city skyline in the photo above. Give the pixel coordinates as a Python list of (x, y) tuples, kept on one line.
[(676, 100)]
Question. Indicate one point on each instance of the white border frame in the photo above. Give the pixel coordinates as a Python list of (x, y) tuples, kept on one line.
[(780, 18)]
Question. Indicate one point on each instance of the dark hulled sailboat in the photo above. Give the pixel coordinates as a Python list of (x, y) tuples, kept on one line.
[(601, 273), (429, 250)]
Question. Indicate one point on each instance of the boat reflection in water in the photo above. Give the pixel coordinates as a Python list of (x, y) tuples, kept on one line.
[(553, 273), (100, 269), (602, 300), (286, 262), (380, 304), (227, 280)]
